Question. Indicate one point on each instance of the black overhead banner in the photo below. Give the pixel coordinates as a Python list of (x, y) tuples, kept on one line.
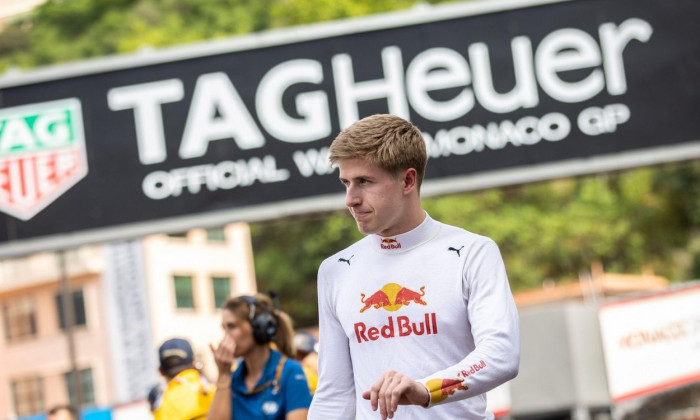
[(239, 129)]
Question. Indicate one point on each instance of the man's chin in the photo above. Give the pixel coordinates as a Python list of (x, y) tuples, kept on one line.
[(364, 229), (361, 227)]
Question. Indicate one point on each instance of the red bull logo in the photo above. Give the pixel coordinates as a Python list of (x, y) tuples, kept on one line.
[(443, 388), (472, 370), (390, 243), (392, 297), (403, 327)]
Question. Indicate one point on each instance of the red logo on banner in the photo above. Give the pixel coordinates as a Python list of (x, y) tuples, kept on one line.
[(42, 154)]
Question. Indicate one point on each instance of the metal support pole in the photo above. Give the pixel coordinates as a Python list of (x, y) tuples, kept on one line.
[(69, 323)]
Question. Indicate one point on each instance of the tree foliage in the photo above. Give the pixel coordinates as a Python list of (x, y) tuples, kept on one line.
[(289, 251), (67, 30), (554, 230)]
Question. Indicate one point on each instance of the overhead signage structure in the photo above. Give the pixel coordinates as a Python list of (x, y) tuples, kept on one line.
[(505, 92)]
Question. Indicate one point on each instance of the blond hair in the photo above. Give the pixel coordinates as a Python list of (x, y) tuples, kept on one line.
[(388, 141)]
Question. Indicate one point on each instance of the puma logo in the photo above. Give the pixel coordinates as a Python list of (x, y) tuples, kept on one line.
[(455, 250), (344, 260)]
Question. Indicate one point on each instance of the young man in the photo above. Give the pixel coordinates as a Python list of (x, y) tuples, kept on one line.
[(417, 319), (187, 394)]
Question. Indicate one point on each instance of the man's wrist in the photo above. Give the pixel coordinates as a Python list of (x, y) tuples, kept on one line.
[(427, 394)]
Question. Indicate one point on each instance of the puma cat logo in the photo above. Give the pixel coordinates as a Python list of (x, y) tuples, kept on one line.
[(455, 250)]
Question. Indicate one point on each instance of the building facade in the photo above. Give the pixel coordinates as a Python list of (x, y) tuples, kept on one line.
[(125, 298)]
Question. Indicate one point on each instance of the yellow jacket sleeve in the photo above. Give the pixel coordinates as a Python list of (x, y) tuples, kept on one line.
[(188, 396)]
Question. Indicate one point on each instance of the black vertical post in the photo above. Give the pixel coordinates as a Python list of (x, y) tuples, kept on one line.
[(68, 314)]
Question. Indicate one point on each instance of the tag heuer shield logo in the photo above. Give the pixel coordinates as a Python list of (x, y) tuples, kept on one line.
[(42, 155)]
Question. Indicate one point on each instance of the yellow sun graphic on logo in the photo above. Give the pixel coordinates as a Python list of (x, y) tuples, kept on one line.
[(391, 289)]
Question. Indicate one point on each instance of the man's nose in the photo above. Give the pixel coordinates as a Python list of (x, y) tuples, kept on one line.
[(352, 197)]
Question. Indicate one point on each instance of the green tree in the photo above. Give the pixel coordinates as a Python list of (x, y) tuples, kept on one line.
[(288, 253), (555, 229), (68, 30)]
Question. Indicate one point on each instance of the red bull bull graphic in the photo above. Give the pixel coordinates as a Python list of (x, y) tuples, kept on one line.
[(440, 389), (390, 243), (378, 299), (406, 296), (392, 297)]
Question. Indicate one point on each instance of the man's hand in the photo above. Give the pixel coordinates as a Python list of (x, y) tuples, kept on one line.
[(393, 389)]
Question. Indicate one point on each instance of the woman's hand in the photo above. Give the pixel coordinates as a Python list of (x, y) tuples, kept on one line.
[(224, 355), (220, 408)]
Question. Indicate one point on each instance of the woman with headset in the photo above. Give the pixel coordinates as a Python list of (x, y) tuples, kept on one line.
[(268, 383)]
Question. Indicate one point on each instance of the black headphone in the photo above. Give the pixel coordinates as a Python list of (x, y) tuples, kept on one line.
[(264, 324)]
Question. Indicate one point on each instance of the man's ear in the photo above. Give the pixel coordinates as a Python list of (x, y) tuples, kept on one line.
[(410, 180)]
